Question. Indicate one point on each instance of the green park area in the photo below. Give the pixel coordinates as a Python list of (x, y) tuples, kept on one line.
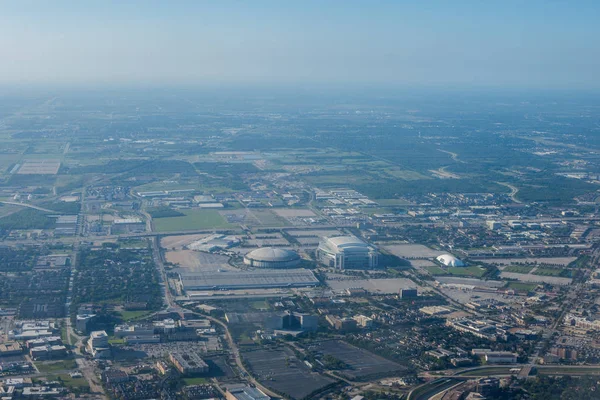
[(192, 219), (547, 271), (519, 269), (522, 286), (54, 366)]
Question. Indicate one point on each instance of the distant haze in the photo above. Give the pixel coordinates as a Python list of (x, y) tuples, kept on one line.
[(533, 43)]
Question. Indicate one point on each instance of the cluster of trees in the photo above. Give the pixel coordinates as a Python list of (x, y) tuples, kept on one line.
[(117, 275)]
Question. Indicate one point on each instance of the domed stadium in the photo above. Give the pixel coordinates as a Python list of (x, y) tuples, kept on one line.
[(269, 257), (448, 260)]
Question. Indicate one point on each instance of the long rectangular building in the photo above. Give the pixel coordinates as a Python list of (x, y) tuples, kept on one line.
[(262, 279)]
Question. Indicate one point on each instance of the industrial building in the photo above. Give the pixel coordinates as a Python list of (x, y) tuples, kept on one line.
[(448, 260), (346, 252), (244, 392), (248, 279), (408, 293), (270, 257)]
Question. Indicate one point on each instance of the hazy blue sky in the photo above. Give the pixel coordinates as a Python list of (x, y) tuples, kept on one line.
[(447, 42)]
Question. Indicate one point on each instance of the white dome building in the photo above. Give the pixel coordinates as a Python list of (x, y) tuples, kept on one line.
[(449, 260), (269, 257)]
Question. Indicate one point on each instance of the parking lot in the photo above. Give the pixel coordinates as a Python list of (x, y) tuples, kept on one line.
[(280, 370), (362, 363)]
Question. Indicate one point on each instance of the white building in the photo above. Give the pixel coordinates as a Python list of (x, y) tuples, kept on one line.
[(98, 344), (347, 252), (133, 330), (448, 260), (270, 257)]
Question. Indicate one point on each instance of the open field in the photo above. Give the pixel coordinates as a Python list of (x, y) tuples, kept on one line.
[(551, 272), (51, 366), (473, 271), (267, 218), (195, 261), (412, 251), (132, 315), (435, 270), (74, 383), (564, 261), (292, 212), (280, 370), (520, 269), (521, 286), (193, 219), (39, 167), (531, 278), (169, 242)]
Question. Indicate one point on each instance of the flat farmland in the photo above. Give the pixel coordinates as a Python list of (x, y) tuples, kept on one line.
[(361, 362), (280, 370), (39, 167), (193, 219)]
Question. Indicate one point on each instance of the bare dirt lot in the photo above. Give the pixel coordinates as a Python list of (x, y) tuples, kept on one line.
[(194, 261), (179, 241)]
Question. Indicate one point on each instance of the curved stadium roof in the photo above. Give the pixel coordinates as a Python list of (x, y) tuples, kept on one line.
[(272, 254)]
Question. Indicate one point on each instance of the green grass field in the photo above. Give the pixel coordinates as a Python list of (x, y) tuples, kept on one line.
[(260, 305), (73, 383), (473, 271), (550, 272), (193, 219), (52, 366), (195, 381), (130, 315), (435, 270), (522, 286), (519, 269)]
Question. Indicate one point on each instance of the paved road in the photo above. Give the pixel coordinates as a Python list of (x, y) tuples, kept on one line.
[(237, 356), (14, 203)]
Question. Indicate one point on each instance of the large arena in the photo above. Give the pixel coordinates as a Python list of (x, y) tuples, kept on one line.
[(270, 257), (346, 252)]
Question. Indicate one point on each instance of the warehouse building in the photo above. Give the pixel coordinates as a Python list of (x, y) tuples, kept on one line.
[(262, 279)]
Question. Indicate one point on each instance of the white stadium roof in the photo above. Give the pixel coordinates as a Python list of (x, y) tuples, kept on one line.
[(450, 261)]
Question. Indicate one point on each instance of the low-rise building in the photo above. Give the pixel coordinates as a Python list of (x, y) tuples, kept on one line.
[(363, 321), (10, 349), (500, 357), (244, 392), (113, 376)]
